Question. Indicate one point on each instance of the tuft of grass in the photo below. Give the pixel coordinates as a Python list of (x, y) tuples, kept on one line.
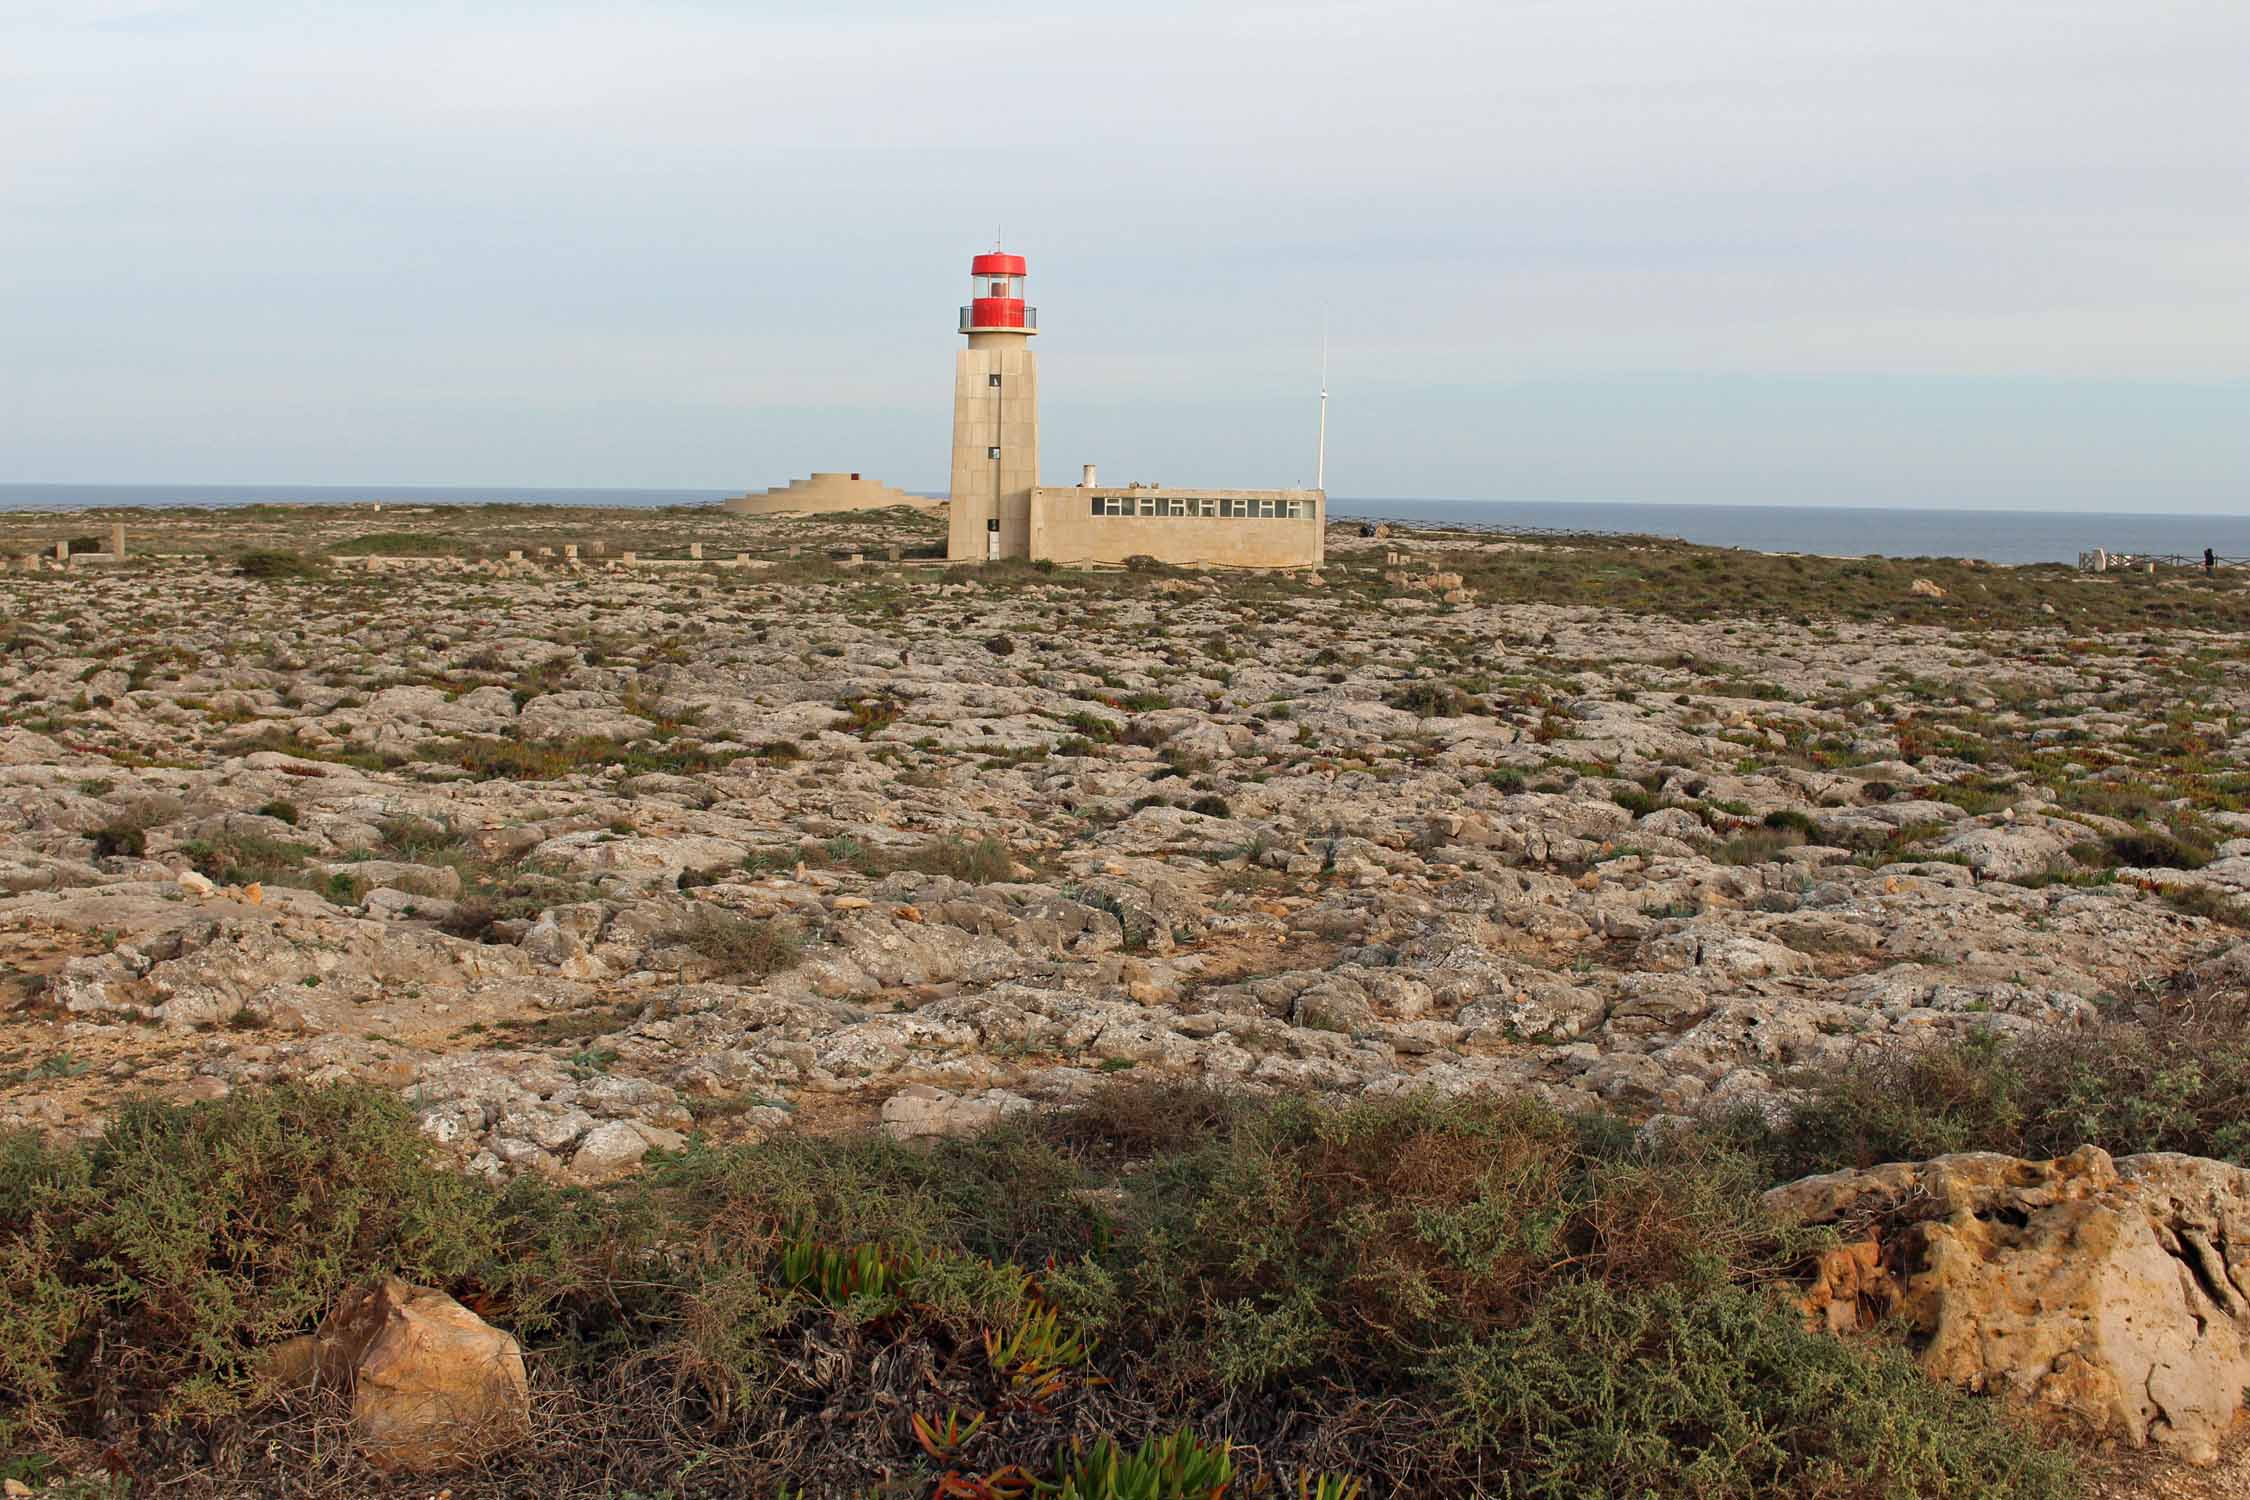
[(241, 858), (985, 861), (1637, 802), (742, 947), (418, 839), (1757, 846), (1431, 700)]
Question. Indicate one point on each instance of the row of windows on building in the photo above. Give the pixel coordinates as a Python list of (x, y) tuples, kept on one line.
[(1189, 505)]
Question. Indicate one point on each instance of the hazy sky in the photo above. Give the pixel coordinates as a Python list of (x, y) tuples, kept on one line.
[(1758, 251)]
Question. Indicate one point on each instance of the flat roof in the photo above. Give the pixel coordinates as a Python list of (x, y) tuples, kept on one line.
[(1183, 491)]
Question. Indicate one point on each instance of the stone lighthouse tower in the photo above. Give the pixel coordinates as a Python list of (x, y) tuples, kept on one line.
[(995, 416)]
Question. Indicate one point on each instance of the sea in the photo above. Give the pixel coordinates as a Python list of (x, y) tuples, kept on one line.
[(2002, 536)]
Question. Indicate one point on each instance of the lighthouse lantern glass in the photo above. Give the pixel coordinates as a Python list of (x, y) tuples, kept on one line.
[(996, 295)]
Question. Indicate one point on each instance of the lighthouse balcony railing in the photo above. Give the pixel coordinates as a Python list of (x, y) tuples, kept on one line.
[(1030, 323)]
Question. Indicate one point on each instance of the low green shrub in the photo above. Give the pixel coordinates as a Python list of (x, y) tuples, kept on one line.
[(982, 861), (1419, 1251), (417, 839), (1464, 1297), (120, 836), (1717, 1393), (1430, 700), (743, 947), (234, 858), (491, 759), (1757, 846), (471, 918), (267, 563), (188, 1239), (2149, 848), (2207, 902), (2176, 1078), (868, 712)]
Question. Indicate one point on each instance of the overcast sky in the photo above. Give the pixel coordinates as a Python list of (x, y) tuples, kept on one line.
[(1755, 251)]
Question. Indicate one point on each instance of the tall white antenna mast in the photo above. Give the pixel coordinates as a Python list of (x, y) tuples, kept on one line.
[(1320, 457)]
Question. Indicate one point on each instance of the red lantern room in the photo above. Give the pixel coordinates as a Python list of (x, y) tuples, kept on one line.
[(996, 293)]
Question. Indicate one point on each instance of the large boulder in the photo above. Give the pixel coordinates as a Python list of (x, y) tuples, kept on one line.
[(919, 1111), (2017, 850), (432, 1385), (2115, 1294)]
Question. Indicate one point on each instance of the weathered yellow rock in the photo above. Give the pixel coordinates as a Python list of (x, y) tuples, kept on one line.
[(432, 1385), (1852, 1289), (2116, 1294)]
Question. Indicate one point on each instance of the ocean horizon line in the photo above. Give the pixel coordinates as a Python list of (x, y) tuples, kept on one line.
[(2005, 535)]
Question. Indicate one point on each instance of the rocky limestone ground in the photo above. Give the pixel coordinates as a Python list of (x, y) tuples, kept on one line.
[(585, 859)]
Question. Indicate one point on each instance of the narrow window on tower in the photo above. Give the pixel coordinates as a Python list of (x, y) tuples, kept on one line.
[(993, 380), (993, 451)]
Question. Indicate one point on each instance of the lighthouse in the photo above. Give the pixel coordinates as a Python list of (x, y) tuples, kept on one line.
[(995, 416), (1000, 510)]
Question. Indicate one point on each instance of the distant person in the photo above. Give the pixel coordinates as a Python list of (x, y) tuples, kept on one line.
[(2209, 562)]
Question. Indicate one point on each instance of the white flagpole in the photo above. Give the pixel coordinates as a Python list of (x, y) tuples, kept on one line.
[(1320, 457)]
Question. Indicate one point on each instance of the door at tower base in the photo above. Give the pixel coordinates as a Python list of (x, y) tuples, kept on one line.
[(1184, 527)]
